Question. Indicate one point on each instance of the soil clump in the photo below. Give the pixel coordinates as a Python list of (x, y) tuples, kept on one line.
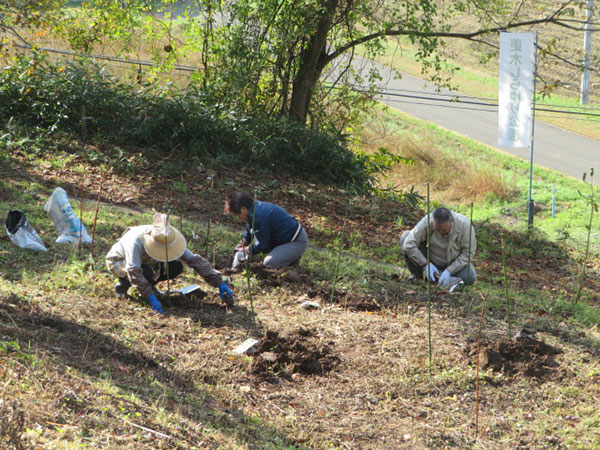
[(280, 357), (527, 357)]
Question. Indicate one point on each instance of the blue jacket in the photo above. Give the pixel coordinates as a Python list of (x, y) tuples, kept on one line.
[(273, 226)]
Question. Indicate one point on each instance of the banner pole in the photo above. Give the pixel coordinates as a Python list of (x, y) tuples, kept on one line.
[(530, 209)]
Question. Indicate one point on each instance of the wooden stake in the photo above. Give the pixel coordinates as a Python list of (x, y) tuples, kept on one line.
[(96, 212), (81, 211), (477, 366)]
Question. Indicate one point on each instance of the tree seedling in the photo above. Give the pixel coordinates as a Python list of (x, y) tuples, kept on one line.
[(593, 207), (337, 262)]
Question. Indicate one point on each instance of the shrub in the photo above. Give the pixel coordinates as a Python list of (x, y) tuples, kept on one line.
[(37, 93)]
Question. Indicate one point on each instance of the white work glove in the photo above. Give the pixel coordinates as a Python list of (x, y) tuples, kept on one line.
[(444, 278), (238, 259), (431, 271)]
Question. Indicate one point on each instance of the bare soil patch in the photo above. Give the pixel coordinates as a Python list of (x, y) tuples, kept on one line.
[(280, 357), (519, 357)]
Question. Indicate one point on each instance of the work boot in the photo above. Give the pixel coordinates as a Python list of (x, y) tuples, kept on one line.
[(121, 288)]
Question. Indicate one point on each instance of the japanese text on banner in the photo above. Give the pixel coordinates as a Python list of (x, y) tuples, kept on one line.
[(515, 89)]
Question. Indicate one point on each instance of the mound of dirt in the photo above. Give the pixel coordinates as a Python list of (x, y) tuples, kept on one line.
[(528, 357), (280, 357)]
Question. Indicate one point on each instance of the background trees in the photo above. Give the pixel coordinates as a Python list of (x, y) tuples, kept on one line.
[(272, 56)]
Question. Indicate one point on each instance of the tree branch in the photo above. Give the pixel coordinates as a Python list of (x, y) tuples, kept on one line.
[(14, 32), (433, 34)]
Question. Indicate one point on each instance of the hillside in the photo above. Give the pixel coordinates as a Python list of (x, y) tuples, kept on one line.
[(81, 369)]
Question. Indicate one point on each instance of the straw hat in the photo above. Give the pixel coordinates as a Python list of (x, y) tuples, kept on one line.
[(163, 242)]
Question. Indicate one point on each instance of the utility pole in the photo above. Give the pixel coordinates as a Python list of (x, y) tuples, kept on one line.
[(584, 98)]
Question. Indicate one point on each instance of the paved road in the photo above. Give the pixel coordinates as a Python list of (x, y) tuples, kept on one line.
[(554, 148)]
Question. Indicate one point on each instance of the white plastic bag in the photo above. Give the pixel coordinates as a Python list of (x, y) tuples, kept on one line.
[(65, 220), (21, 233)]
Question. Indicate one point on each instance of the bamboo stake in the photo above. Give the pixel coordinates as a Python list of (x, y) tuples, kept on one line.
[(470, 236), (96, 212), (81, 211), (249, 265), (181, 209), (209, 220), (589, 231), (477, 366), (167, 258), (508, 316), (428, 281), (84, 119)]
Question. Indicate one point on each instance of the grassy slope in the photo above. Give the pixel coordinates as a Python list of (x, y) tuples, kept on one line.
[(85, 370), (494, 173)]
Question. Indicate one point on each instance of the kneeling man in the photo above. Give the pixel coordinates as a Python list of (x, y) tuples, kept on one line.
[(450, 234)]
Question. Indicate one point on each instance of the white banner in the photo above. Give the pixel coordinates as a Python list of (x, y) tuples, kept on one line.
[(515, 81)]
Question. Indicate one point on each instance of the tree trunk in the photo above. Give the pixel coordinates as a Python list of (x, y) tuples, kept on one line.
[(313, 60)]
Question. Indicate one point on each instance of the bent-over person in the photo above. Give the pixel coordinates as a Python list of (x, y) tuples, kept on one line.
[(277, 233), (141, 256)]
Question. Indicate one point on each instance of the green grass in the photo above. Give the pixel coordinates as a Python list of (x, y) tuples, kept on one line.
[(571, 212), (86, 366)]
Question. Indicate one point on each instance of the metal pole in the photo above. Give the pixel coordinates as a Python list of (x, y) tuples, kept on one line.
[(584, 97), (553, 202), (530, 203)]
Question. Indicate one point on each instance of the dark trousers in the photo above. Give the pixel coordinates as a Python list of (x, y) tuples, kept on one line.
[(175, 269), (414, 268)]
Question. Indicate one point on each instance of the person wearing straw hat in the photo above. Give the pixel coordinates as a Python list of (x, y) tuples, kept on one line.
[(147, 254), (450, 235), (276, 232)]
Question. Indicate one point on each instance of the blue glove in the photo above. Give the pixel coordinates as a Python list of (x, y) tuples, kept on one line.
[(156, 305), (224, 290), (431, 271), (444, 277)]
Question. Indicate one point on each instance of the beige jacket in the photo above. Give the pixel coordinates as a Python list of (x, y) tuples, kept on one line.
[(455, 246), (126, 257)]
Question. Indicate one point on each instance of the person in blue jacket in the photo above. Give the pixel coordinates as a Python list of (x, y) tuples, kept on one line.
[(276, 232)]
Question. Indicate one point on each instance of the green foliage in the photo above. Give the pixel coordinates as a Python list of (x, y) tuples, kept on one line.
[(59, 98), (277, 143), (381, 162), (98, 21), (28, 13), (593, 207)]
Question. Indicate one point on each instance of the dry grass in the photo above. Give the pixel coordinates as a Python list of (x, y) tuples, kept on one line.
[(85, 369), (453, 178), (113, 375), (478, 64)]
